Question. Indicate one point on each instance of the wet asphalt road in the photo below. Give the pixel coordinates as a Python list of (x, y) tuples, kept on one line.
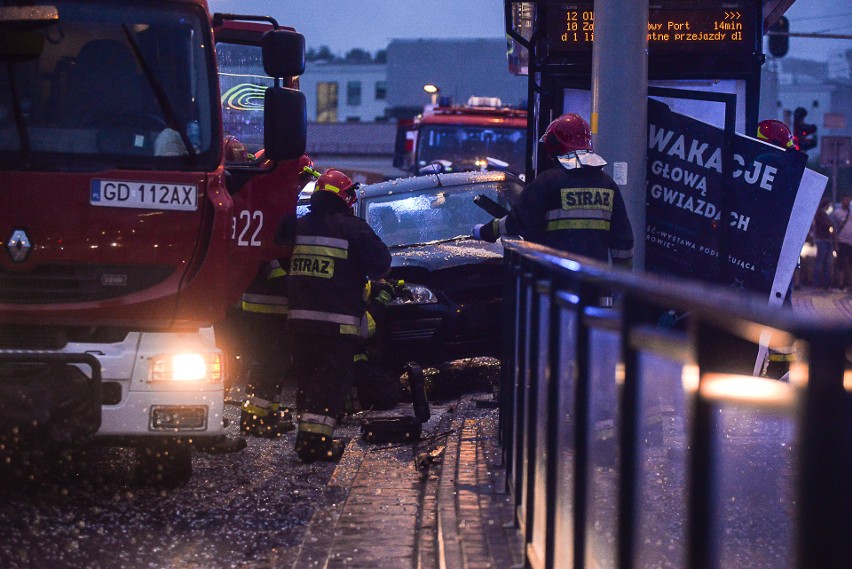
[(246, 509)]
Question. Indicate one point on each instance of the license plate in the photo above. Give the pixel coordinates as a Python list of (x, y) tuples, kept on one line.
[(144, 195)]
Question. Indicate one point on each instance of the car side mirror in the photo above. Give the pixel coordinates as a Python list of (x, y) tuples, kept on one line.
[(283, 53), (285, 123)]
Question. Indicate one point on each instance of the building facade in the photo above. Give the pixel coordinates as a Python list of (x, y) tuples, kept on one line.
[(345, 92)]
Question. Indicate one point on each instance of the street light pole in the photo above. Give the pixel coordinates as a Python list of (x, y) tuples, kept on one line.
[(433, 90), (619, 118)]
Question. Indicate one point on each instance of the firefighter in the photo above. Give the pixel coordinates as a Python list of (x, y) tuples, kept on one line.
[(573, 206), (334, 254), (264, 310), (777, 360), (264, 313), (775, 132), (375, 387)]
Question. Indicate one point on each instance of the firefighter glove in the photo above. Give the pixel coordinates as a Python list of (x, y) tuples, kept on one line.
[(383, 292)]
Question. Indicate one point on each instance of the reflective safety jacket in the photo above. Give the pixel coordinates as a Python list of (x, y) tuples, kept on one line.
[(334, 253), (267, 294), (580, 211)]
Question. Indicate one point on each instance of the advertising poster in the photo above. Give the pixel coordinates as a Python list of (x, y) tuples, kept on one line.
[(724, 222)]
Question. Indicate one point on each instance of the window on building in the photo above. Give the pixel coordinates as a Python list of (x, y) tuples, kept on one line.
[(381, 90), (326, 102), (353, 93)]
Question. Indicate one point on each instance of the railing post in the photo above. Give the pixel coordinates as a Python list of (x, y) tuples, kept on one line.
[(519, 387), (630, 415), (554, 370), (529, 388), (702, 491), (511, 286), (825, 483), (582, 435)]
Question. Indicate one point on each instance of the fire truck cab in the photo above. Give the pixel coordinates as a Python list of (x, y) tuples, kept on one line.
[(481, 135), (125, 236)]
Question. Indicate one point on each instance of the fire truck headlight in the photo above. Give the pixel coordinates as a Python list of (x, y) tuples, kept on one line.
[(186, 367)]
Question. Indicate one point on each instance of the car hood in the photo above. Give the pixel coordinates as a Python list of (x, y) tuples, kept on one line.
[(446, 254)]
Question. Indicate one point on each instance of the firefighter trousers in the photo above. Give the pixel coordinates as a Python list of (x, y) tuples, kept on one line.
[(323, 367)]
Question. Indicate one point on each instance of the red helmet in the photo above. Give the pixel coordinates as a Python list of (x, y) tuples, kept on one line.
[(775, 132), (339, 184), (305, 162), (567, 133), (235, 151)]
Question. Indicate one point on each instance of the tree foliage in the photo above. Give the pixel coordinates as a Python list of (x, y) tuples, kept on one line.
[(354, 55)]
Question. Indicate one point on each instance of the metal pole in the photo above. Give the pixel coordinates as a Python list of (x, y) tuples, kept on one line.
[(619, 118), (835, 158)]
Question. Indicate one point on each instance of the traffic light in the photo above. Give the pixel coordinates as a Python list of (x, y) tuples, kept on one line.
[(779, 44), (804, 134)]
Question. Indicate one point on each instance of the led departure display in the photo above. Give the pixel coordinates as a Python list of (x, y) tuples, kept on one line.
[(673, 27)]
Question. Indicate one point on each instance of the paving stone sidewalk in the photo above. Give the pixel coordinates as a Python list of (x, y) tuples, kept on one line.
[(451, 511)]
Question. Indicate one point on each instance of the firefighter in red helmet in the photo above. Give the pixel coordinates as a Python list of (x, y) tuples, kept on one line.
[(573, 206), (263, 309), (775, 132), (334, 255)]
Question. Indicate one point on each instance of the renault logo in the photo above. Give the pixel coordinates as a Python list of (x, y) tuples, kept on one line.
[(19, 246)]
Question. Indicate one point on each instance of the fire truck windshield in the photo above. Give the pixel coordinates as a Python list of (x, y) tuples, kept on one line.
[(468, 147), (109, 85)]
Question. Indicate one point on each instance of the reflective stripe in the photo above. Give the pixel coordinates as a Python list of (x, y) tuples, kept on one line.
[(318, 316), (579, 214), (371, 325), (320, 250), (314, 428), (322, 241), (498, 227), (259, 401), (314, 423), (263, 308), (257, 407), (360, 358), (366, 327), (621, 253), (317, 418), (276, 299), (577, 224), (264, 303), (779, 357), (274, 270), (276, 273)]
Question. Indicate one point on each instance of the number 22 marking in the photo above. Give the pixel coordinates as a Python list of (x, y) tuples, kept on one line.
[(247, 219)]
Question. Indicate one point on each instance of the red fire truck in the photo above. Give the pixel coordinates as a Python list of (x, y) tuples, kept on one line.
[(126, 235), (481, 135)]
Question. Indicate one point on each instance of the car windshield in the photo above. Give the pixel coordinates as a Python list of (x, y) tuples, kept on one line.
[(108, 85), (434, 214), (465, 145)]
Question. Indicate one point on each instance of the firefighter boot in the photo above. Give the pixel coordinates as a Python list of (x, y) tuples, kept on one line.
[(265, 421), (312, 447)]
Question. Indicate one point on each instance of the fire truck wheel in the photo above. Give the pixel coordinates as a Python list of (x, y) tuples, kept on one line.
[(166, 463)]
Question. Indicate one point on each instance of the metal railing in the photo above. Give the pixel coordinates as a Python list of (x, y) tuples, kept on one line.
[(634, 436)]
